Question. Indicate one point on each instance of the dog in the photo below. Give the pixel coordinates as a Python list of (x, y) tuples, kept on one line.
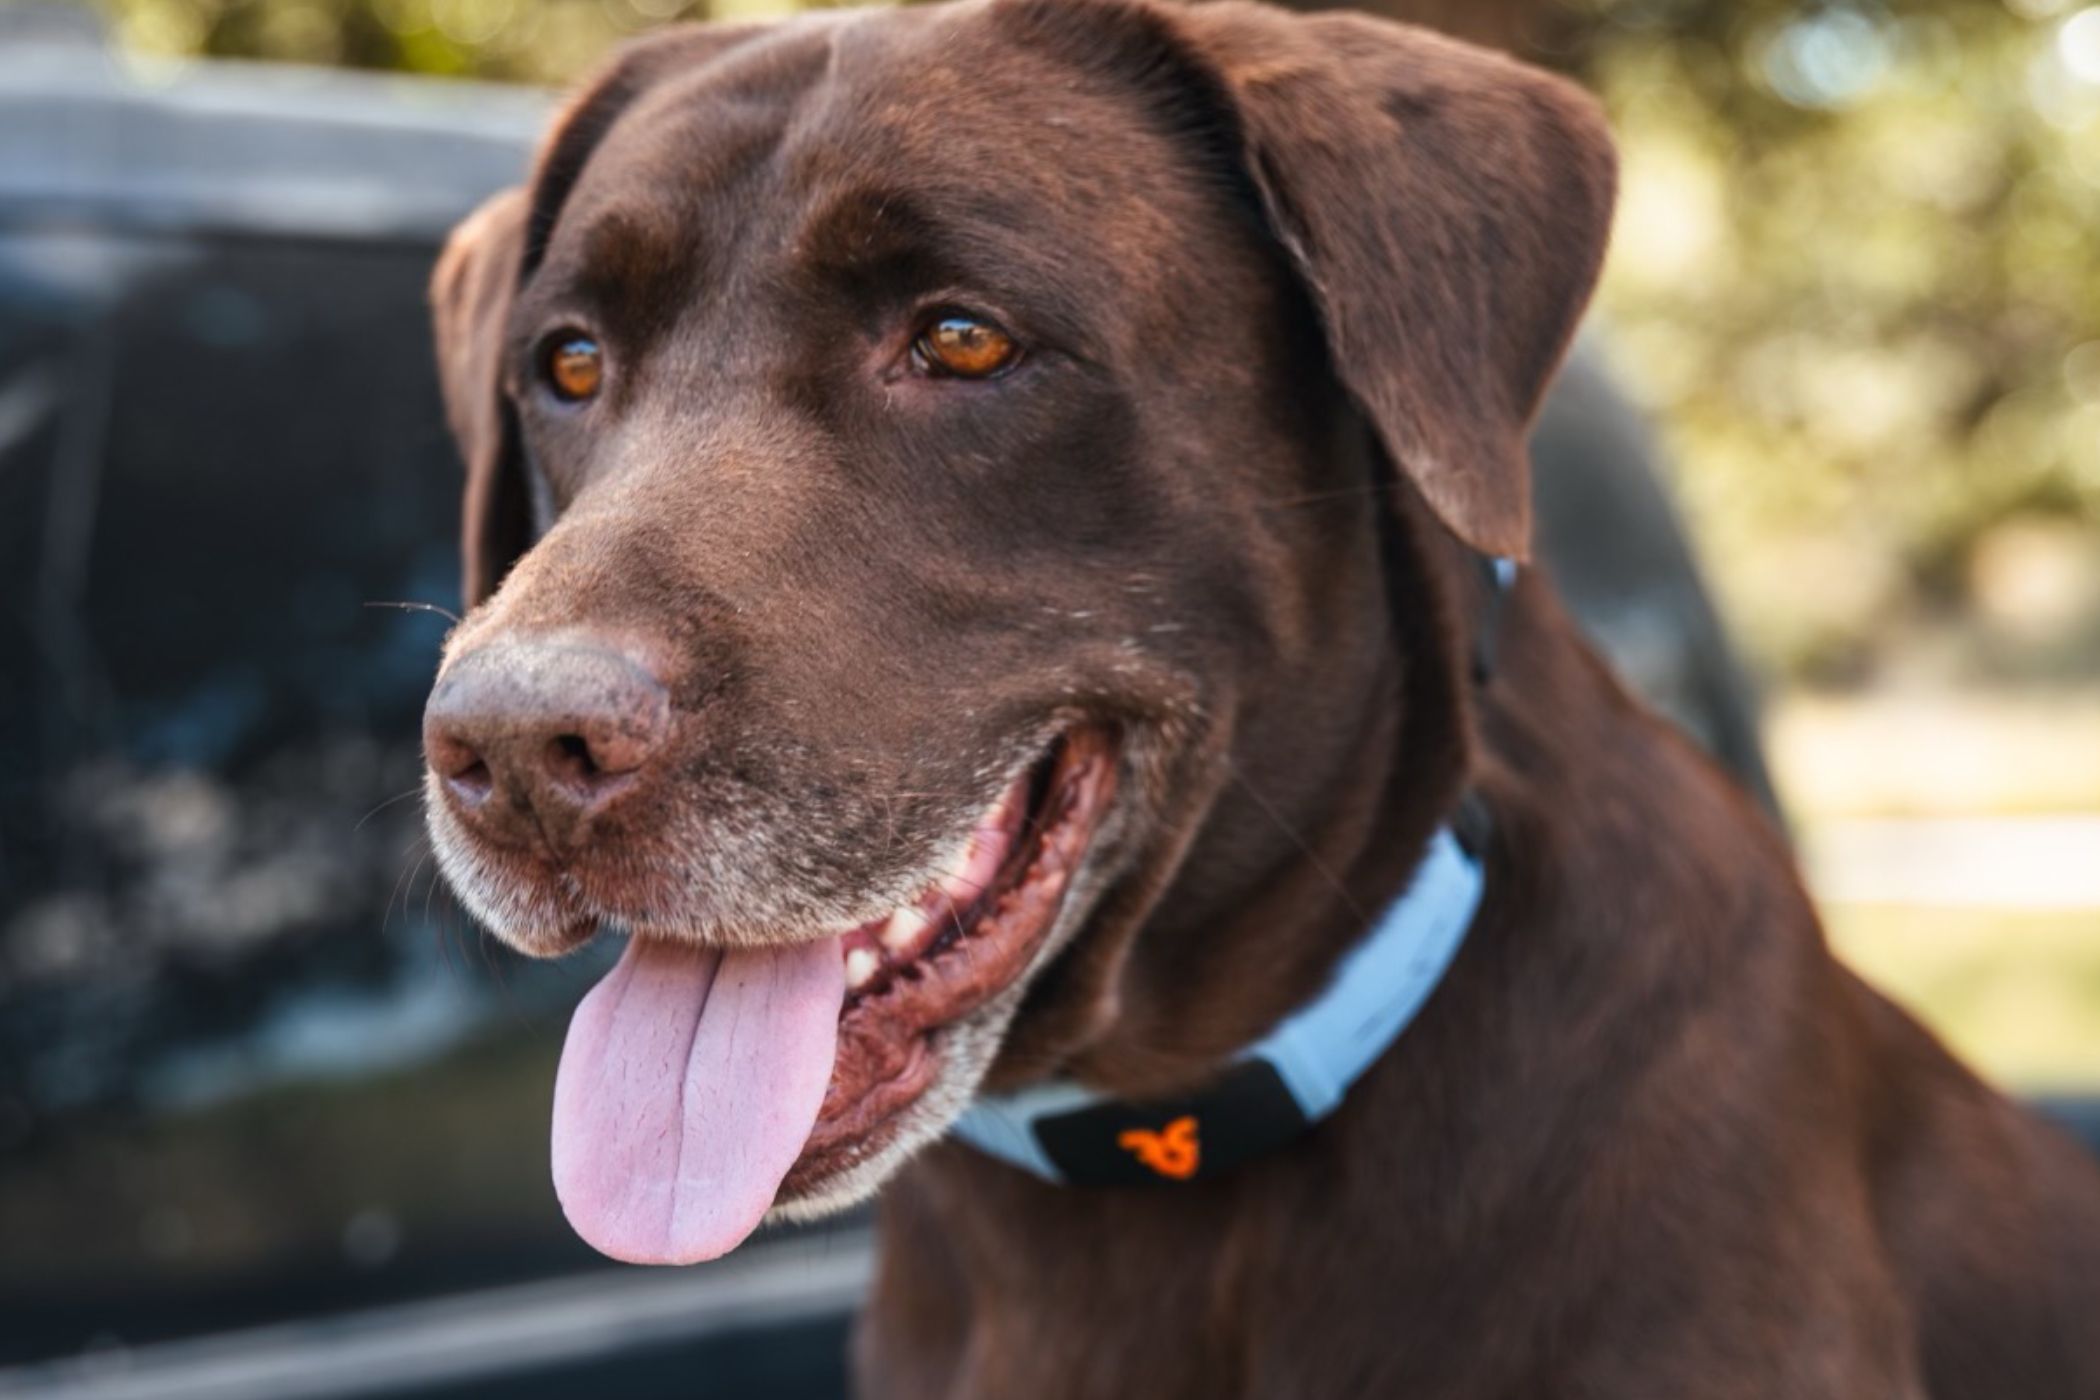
[(996, 536)]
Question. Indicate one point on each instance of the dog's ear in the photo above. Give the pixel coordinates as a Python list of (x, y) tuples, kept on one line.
[(1447, 208), (484, 262), (470, 294)]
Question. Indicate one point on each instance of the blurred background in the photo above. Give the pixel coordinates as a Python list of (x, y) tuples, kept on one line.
[(255, 1070), (1856, 284)]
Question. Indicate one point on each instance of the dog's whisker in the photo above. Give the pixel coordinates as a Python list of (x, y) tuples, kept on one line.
[(441, 935), (1290, 833), (397, 797), (430, 890), (412, 605), (1340, 493), (407, 880), (493, 961), (889, 820)]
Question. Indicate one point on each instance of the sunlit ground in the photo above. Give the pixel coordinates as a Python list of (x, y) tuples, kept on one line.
[(1955, 845)]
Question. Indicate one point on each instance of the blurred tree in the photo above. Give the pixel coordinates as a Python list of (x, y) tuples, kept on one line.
[(1855, 278), (1539, 29)]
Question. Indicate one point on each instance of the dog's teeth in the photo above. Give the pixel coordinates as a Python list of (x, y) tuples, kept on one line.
[(861, 966), (901, 933)]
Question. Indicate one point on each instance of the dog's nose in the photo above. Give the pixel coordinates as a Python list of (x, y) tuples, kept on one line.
[(533, 738)]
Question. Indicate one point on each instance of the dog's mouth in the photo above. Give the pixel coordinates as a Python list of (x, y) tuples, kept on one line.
[(967, 938), (699, 1086)]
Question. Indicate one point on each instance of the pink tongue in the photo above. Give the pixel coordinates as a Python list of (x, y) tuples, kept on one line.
[(689, 1082)]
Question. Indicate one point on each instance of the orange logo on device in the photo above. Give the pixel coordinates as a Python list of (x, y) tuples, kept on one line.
[(1172, 1151)]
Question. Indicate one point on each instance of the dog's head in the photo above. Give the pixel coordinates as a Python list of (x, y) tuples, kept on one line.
[(951, 489)]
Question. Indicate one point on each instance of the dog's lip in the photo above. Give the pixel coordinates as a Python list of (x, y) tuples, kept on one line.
[(891, 1037)]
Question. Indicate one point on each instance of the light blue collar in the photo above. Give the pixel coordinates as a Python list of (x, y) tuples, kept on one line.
[(1275, 1089)]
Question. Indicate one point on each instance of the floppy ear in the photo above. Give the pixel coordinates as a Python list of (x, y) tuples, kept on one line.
[(484, 262), (470, 294), (1447, 208)]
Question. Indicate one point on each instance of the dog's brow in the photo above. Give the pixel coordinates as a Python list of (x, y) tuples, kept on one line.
[(639, 252), (868, 224), (630, 262)]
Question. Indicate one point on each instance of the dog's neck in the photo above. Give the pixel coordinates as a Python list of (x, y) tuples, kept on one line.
[(1239, 941), (1275, 1088)]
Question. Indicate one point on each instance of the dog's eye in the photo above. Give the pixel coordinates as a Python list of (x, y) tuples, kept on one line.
[(965, 347), (574, 367)]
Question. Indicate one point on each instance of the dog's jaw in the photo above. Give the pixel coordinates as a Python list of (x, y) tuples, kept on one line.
[(920, 1047), (967, 1051)]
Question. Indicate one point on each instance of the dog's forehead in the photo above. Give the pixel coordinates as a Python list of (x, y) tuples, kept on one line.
[(949, 97), (848, 118)]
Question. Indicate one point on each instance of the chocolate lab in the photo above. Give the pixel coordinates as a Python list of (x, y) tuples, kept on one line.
[(992, 530)]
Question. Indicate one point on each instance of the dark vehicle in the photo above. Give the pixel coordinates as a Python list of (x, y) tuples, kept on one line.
[(272, 1113)]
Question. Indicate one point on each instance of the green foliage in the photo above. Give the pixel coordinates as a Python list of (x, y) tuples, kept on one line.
[(1855, 278), (512, 40)]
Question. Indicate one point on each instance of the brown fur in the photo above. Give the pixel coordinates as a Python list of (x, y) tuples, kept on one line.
[(1293, 288)]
